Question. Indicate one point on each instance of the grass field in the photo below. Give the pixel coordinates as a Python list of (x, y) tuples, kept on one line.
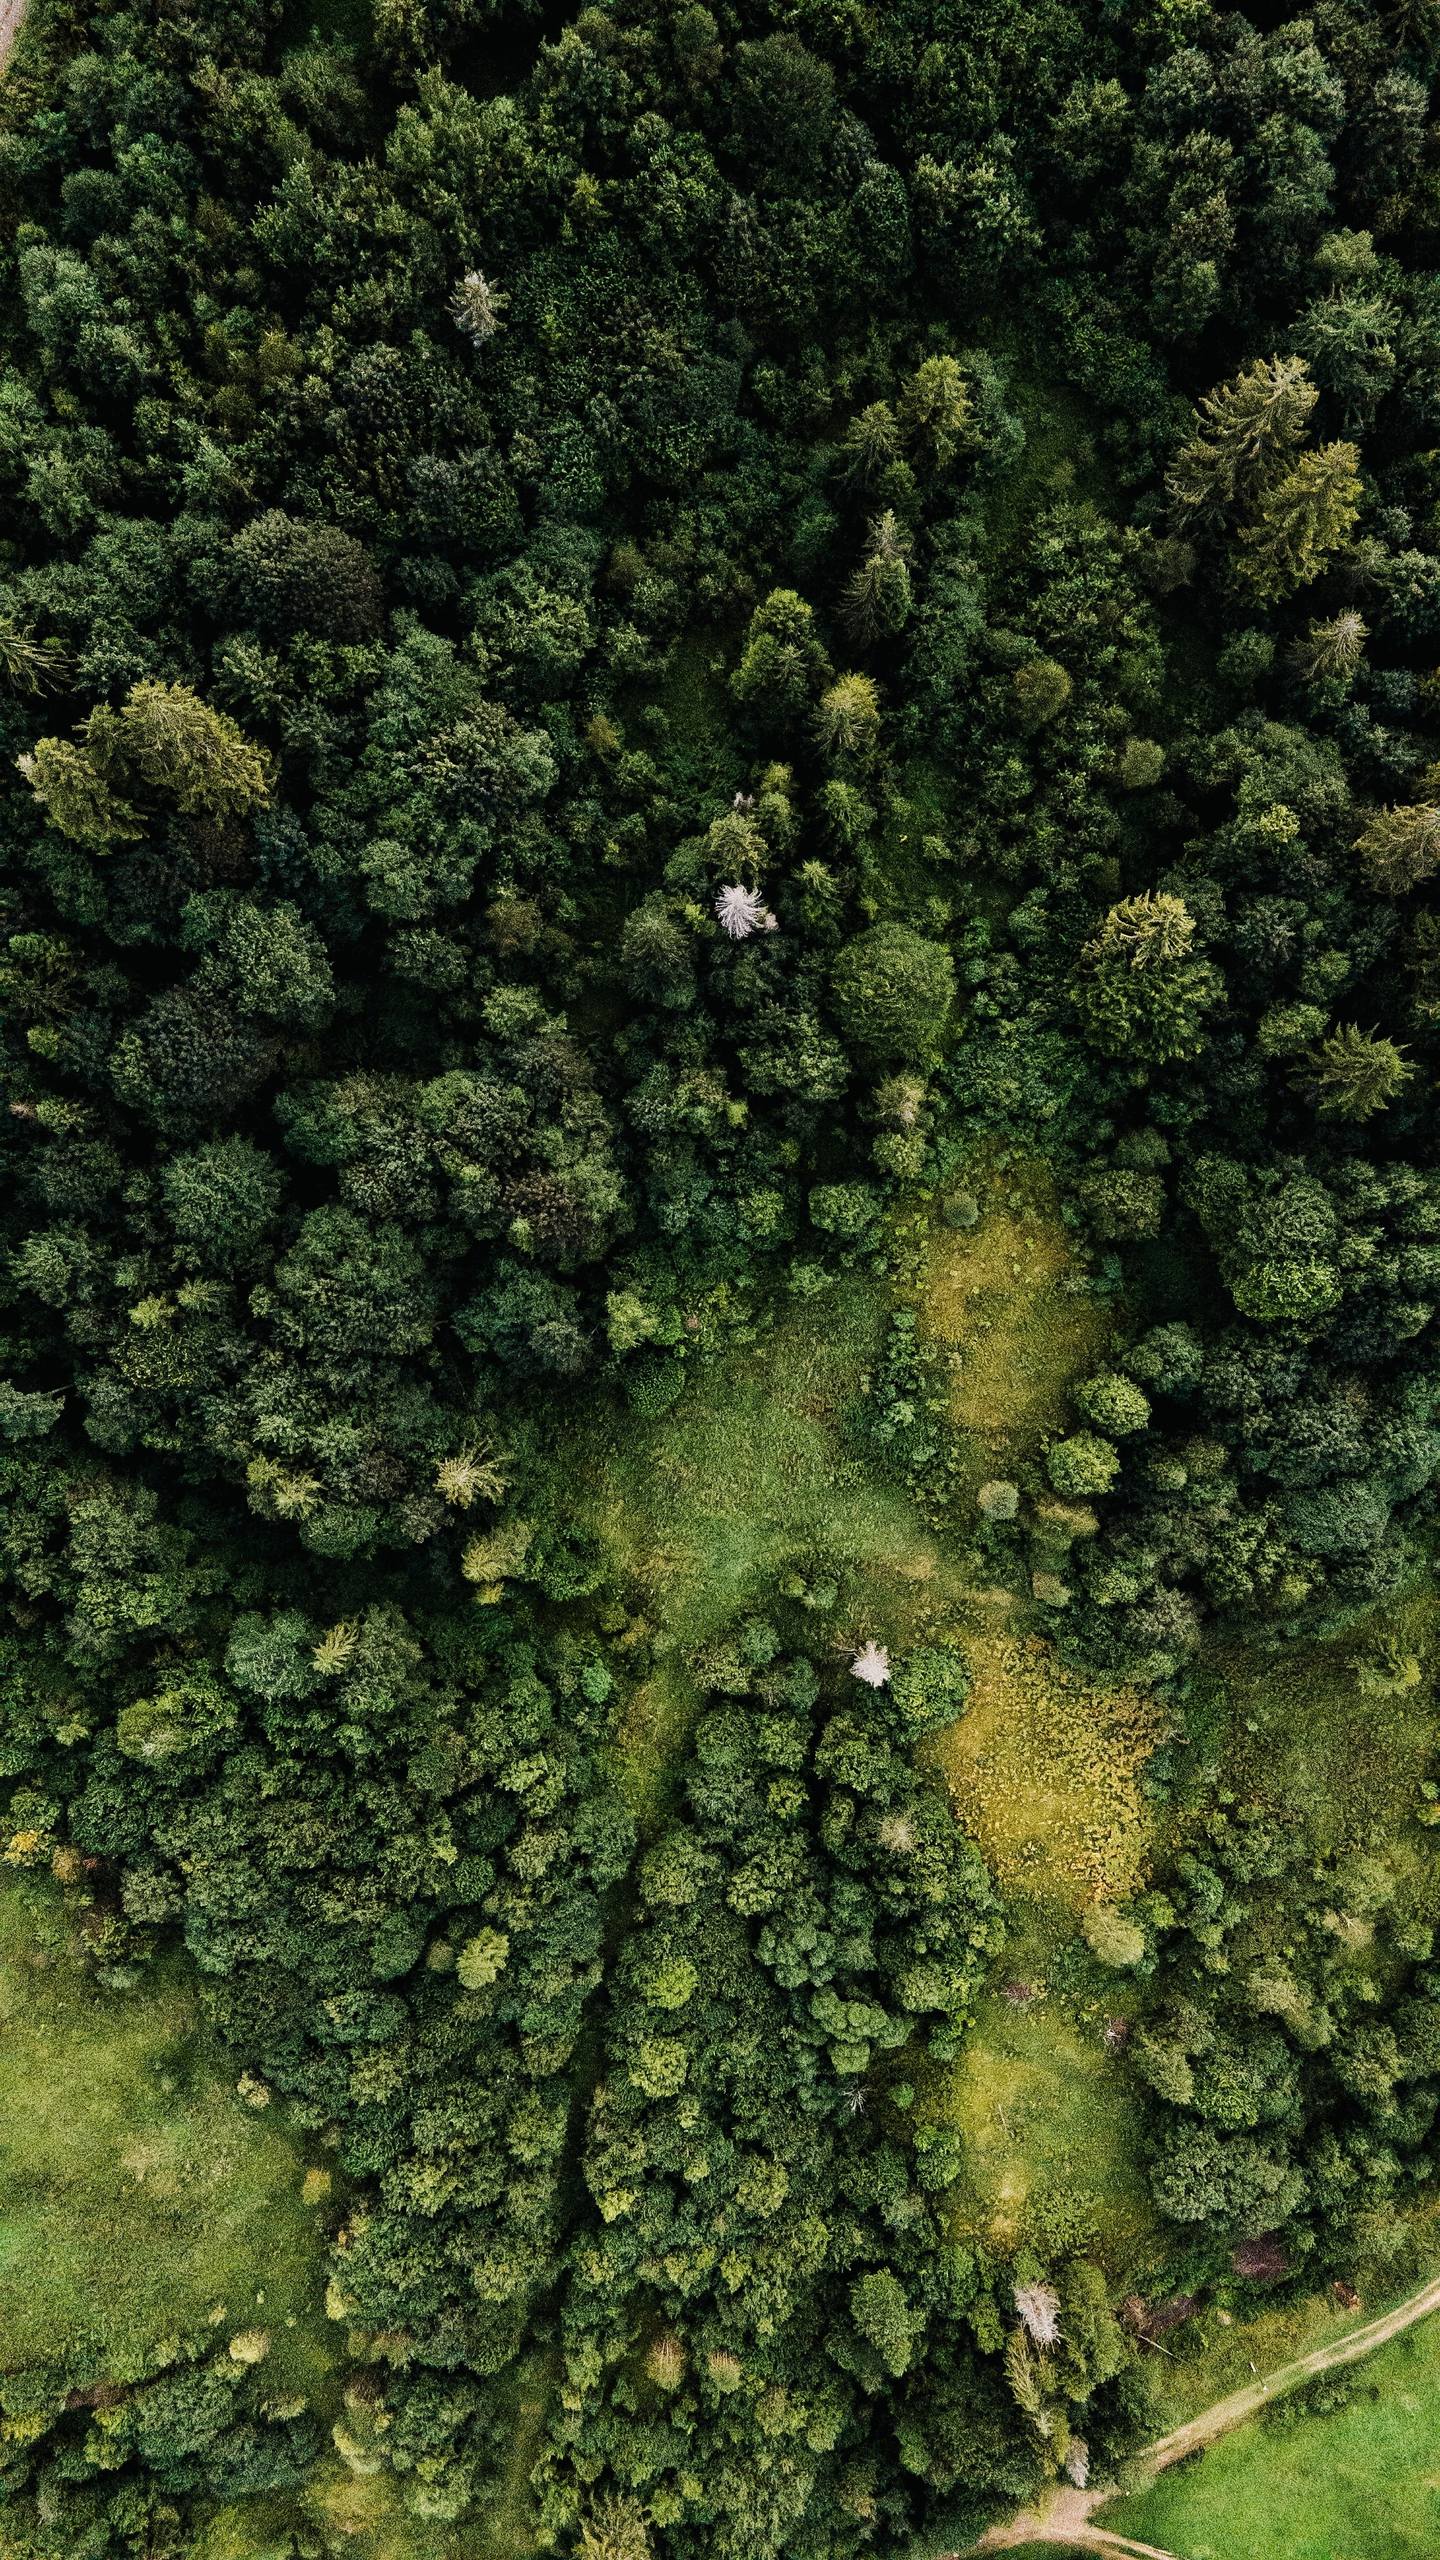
[(1043, 1770), (1361, 2482), (751, 1470), (1052, 2141), (142, 2201)]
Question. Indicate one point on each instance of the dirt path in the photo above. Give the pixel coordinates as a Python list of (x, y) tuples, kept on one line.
[(1067, 2516), (11, 13)]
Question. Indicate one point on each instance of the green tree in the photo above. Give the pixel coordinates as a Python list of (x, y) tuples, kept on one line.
[(1248, 427), (1357, 1073), (893, 993), (1042, 689), (1084, 1464), (935, 410), (1114, 1404), (1141, 990), (1300, 521), (784, 662), (882, 2314)]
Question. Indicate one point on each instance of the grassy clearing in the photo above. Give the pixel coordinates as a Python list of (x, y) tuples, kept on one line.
[(1361, 2482), (750, 1471), (142, 2201), (1044, 1770), (1051, 2138), (1296, 1731), (754, 1469), (1008, 1312)]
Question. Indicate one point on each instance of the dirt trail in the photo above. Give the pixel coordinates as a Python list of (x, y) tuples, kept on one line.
[(11, 13), (1067, 2516)]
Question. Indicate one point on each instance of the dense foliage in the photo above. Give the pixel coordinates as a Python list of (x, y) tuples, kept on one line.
[(568, 750)]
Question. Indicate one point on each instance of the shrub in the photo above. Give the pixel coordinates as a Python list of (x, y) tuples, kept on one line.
[(1082, 1465), (893, 992), (1114, 1404)]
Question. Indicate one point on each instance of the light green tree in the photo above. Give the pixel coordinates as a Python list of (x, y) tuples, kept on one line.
[(1399, 847), (1331, 651), (1357, 1073), (847, 720), (1300, 521), (1247, 427), (77, 799)]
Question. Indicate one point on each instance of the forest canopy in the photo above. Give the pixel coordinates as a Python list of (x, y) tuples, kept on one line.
[(642, 652)]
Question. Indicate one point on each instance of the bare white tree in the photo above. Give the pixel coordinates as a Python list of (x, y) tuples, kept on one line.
[(1039, 2308), (743, 911), (476, 306), (1077, 2462), (872, 1665)]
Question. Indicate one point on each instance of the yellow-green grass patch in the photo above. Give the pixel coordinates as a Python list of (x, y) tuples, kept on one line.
[(1051, 2133), (1044, 1772)]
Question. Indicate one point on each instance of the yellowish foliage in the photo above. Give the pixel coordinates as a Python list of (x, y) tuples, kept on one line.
[(1043, 1771), (1004, 1300)]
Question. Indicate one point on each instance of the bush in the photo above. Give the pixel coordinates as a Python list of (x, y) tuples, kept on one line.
[(893, 992), (1082, 1465), (929, 1687), (1115, 1405)]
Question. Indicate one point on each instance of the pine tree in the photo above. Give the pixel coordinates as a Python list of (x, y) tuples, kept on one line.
[(877, 598), (848, 719), (935, 409), (1300, 521), (1249, 426), (31, 665), (1357, 1073), (1331, 651), (176, 745), (1400, 847), (475, 306), (871, 443)]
